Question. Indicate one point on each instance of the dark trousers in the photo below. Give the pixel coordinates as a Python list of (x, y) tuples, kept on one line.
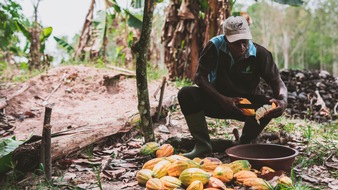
[(193, 100)]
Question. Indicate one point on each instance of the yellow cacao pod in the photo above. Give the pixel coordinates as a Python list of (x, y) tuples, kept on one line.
[(195, 185), (224, 173), (151, 163), (239, 165), (161, 169), (192, 174), (175, 157), (285, 180), (176, 168), (209, 164), (257, 184), (149, 148), (171, 182), (242, 175), (246, 111), (154, 184), (143, 175), (164, 150)]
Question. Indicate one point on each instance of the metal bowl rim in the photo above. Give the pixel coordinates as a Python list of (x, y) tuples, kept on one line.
[(263, 159)]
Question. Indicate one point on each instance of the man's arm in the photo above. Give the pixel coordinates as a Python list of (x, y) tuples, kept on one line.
[(279, 98)]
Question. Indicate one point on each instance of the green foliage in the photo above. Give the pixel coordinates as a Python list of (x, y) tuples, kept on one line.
[(64, 44), (7, 146), (155, 73), (290, 2), (133, 21), (183, 82)]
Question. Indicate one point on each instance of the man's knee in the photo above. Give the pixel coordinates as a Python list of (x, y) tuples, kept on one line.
[(185, 94)]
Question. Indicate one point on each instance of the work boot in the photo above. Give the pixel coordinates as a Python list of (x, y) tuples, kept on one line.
[(199, 131), (252, 129)]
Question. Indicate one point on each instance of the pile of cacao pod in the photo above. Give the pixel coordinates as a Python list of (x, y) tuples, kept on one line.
[(170, 171)]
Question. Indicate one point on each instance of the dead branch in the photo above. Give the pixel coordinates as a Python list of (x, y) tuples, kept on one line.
[(46, 143), (4, 102), (121, 69), (159, 107)]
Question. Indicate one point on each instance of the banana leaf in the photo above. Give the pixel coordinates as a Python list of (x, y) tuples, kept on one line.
[(133, 21), (7, 146), (290, 2), (64, 44)]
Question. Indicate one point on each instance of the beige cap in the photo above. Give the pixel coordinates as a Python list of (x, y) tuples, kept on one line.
[(236, 28)]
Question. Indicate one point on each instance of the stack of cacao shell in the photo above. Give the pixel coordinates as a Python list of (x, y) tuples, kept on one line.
[(312, 95), (168, 171)]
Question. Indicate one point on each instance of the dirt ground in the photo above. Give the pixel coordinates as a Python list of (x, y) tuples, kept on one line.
[(80, 96)]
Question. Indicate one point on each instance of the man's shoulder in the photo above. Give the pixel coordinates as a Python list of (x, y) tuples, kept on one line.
[(261, 50)]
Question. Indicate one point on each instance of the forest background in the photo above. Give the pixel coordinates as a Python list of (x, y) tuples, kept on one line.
[(300, 37)]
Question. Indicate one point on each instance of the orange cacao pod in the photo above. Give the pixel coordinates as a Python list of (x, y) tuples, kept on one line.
[(209, 164), (170, 182), (246, 111), (242, 175), (224, 173), (164, 150), (154, 184), (195, 185)]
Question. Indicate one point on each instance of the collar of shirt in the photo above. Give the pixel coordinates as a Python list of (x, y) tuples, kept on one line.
[(251, 51)]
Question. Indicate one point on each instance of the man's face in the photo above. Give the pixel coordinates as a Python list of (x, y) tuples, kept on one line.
[(238, 48)]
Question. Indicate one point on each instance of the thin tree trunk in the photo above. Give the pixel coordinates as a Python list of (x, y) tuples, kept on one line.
[(86, 32), (286, 44), (141, 50), (34, 49)]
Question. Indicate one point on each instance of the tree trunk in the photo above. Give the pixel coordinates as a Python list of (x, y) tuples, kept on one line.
[(141, 50), (34, 50), (286, 45), (86, 31), (185, 33)]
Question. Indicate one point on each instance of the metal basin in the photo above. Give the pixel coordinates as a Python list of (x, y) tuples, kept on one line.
[(277, 157)]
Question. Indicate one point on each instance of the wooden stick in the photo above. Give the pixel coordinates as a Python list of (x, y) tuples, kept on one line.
[(121, 69), (159, 108), (4, 102), (46, 143)]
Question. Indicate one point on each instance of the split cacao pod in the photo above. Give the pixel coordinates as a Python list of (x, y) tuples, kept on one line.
[(209, 164), (246, 111), (215, 183)]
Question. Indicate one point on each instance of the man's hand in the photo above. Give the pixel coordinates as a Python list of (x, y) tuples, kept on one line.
[(229, 104), (278, 111)]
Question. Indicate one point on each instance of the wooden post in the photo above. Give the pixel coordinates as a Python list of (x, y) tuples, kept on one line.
[(159, 108), (46, 143)]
